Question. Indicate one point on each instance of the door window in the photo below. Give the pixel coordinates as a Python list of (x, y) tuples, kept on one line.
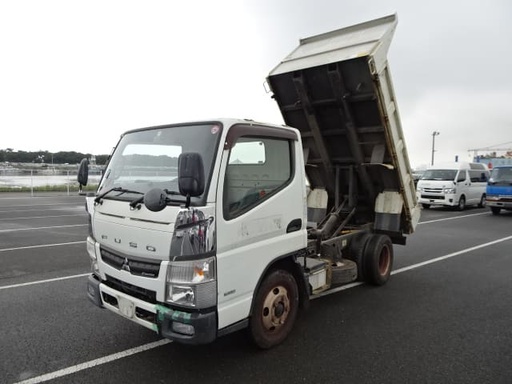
[(461, 177), (257, 169)]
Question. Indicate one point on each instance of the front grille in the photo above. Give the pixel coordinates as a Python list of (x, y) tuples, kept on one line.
[(135, 267), (132, 290)]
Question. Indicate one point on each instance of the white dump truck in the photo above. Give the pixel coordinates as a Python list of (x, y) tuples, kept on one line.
[(208, 227)]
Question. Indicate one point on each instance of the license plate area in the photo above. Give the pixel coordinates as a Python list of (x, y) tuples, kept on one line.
[(126, 307)]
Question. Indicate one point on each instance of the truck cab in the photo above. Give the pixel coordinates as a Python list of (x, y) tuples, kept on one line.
[(190, 216), (499, 189)]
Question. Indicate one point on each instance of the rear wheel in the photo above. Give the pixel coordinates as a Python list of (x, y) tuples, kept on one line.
[(275, 309), (378, 260), (482, 201), (495, 210), (357, 248), (462, 203)]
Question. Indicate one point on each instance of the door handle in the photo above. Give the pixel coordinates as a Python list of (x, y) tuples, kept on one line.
[(294, 225)]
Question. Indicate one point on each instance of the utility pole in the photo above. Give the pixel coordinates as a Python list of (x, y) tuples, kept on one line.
[(434, 134)]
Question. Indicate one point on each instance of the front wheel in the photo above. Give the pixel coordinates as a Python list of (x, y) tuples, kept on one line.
[(426, 206), (495, 210), (275, 309)]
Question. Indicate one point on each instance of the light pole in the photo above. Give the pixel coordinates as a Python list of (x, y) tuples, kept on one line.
[(434, 134)]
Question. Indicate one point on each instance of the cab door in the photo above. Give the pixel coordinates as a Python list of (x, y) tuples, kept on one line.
[(262, 213), (464, 186), (478, 179)]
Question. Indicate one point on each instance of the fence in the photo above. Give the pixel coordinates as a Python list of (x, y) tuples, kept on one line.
[(50, 179)]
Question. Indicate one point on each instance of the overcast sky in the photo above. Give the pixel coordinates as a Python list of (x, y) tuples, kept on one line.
[(74, 75)]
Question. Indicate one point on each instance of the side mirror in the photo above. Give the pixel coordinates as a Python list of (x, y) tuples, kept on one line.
[(83, 172), (190, 175), (155, 200)]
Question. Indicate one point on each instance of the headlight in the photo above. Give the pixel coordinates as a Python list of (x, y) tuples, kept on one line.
[(192, 283), (91, 250), (450, 190), (420, 190)]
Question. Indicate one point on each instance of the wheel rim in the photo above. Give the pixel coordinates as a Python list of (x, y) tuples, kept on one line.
[(384, 261), (276, 308)]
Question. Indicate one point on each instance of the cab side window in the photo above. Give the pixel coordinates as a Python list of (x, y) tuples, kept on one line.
[(257, 169), (462, 176)]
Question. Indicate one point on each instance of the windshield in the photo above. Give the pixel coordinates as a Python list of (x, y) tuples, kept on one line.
[(501, 175), (439, 174), (147, 159)]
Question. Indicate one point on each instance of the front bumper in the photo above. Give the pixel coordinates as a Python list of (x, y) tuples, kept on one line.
[(499, 204), (431, 199), (156, 317)]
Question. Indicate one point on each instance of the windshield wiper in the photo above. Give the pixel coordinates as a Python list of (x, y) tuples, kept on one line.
[(115, 189), (171, 192), (139, 200)]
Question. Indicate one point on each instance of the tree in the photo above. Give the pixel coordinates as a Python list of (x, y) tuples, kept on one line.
[(63, 157)]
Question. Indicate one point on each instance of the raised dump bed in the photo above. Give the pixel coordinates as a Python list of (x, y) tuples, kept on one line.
[(336, 89)]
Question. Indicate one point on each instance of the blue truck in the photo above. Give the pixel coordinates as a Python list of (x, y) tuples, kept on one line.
[(499, 189)]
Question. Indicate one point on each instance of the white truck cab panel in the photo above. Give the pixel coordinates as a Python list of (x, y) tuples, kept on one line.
[(262, 214)]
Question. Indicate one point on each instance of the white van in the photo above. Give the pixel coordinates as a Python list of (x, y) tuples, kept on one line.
[(453, 185)]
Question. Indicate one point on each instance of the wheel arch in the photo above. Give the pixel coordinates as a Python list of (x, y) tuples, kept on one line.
[(290, 264)]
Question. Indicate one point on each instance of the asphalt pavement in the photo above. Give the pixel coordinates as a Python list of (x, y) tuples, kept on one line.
[(444, 317)]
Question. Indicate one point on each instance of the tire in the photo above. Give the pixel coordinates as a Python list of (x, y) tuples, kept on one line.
[(482, 202), (357, 248), (495, 210), (275, 309), (426, 206), (378, 260), (462, 203)]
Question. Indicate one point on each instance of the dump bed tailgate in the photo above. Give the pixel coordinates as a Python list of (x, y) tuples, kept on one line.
[(337, 90)]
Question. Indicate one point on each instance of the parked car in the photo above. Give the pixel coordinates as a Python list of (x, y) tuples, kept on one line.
[(453, 185), (417, 174)]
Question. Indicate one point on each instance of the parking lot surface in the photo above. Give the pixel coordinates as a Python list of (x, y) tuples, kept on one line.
[(444, 317)]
